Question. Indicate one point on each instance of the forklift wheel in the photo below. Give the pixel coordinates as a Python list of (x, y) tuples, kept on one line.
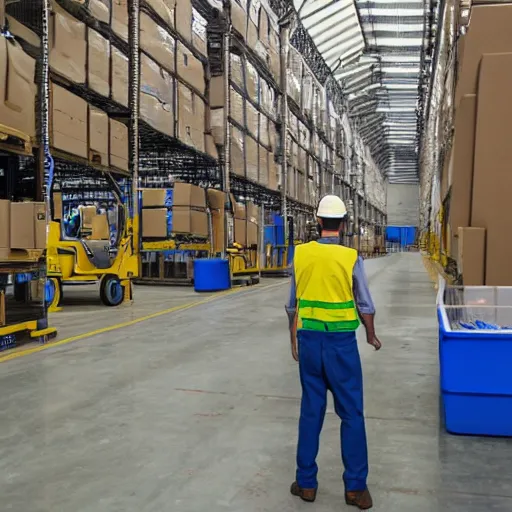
[(111, 291), (53, 292)]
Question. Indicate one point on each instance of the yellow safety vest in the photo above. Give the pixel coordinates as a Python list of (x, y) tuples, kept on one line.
[(323, 278)]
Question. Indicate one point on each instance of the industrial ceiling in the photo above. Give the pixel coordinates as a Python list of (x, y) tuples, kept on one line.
[(380, 51)]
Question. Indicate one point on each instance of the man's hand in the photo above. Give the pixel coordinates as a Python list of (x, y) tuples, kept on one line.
[(293, 339), (371, 338), (295, 352), (374, 342)]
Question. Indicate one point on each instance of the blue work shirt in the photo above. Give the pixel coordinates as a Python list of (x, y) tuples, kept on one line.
[(360, 289)]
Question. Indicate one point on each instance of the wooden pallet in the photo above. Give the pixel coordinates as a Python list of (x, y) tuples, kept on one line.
[(20, 255)]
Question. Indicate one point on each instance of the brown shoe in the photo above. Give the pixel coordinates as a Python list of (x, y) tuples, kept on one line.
[(308, 495), (359, 499)]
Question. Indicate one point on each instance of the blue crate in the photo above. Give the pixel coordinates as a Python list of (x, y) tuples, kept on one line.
[(475, 380)]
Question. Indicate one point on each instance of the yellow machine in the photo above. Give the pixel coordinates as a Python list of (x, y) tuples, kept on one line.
[(81, 259), (244, 263)]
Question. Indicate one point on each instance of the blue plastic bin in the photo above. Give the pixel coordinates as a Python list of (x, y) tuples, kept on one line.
[(211, 275), (475, 378)]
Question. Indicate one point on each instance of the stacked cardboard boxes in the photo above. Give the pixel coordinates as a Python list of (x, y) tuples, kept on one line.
[(81, 130), (81, 55), (253, 133), (175, 67), (217, 204), (258, 27), (181, 210), (477, 172)]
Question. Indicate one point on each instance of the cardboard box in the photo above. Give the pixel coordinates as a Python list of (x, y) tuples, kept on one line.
[(120, 18), (37, 289), (17, 88), (253, 232), (252, 81), (252, 36), (275, 65), (462, 169), (23, 33), (237, 151), (216, 199), (237, 107), (191, 118), (252, 212), (69, 122), (183, 20), (237, 70), (100, 227), (28, 226), (253, 120), (119, 70), (492, 182), (239, 18), (5, 224), (216, 92), (199, 223), (471, 256), (165, 9), (240, 234), (119, 146), (199, 33), (155, 223), (157, 42), (219, 231), (273, 172), (157, 197), (210, 147), (189, 195), (68, 46), (156, 97), (251, 155), (263, 135), (488, 32), (87, 214), (98, 136), (189, 221), (99, 63), (240, 211), (217, 125), (57, 206), (100, 9)]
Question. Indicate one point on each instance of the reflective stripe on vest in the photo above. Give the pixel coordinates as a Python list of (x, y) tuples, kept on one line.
[(323, 274)]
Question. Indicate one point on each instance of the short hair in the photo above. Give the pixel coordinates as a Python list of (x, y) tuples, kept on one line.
[(329, 224)]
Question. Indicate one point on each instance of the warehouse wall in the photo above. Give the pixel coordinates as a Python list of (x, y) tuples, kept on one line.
[(403, 205)]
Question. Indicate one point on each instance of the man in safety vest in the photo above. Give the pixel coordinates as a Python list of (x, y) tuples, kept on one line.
[(329, 298)]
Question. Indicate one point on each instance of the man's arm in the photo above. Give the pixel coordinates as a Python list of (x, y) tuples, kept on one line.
[(291, 311), (291, 306), (364, 303)]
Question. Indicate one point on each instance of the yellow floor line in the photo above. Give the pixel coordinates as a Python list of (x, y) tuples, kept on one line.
[(182, 307)]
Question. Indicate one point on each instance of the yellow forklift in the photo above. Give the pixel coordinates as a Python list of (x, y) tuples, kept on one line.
[(90, 241)]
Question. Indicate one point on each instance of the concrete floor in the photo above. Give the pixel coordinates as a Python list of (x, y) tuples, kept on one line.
[(197, 410)]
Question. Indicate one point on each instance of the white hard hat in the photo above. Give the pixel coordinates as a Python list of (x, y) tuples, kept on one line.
[(331, 207)]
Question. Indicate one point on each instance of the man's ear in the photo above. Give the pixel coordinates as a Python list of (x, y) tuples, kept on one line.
[(320, 221)]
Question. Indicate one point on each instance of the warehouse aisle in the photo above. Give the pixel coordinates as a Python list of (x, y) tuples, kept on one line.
[(197, 411)]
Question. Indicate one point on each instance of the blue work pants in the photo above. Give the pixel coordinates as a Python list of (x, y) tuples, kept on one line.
[(330, 361)]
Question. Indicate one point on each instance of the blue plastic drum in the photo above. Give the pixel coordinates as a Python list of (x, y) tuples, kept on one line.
[(211, 275)]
